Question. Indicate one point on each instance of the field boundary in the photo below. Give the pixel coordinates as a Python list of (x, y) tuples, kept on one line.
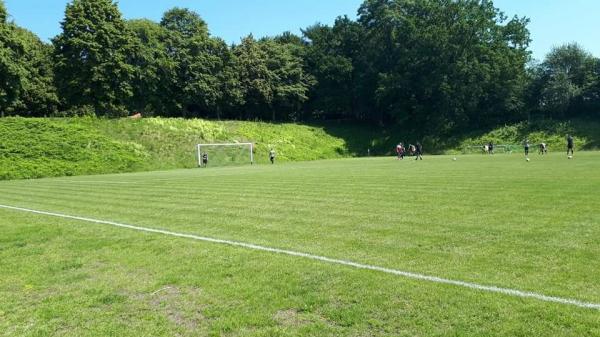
[(405, 274)]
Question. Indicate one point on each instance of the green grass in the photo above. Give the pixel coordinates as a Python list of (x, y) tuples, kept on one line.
[(553, 133), (492, 220), (36, 148)]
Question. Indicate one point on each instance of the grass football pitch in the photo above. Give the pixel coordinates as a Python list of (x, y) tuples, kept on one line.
[(493, 221)]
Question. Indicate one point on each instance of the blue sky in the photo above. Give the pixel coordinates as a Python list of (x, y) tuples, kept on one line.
[(553, 22)]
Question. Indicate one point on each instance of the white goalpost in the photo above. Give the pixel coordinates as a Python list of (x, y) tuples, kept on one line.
[(225, 154)]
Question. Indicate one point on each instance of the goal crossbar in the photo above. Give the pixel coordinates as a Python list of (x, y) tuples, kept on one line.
[(200, 146)]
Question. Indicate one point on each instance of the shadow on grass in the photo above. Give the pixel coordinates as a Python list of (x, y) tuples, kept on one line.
[(363, 138)]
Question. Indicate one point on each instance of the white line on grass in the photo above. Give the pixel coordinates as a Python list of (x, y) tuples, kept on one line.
[(115, 182), (98, 182), (505, 291)]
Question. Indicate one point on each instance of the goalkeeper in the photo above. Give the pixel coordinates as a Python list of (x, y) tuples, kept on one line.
[(205, 159)]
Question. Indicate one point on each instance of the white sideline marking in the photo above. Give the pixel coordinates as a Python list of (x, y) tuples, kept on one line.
[(61, 182), (505, 291), (98, 182)]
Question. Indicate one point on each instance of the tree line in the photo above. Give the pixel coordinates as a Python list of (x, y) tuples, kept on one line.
[(432, 65)]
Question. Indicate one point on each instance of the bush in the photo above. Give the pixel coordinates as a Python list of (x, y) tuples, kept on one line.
[(550, 132)]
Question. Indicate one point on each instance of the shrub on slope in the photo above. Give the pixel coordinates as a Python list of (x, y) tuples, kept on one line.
[(553, 133), (34, 148)]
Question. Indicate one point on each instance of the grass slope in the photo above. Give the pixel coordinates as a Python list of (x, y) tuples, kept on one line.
[(553, 133), (494, 220), (34, 148)]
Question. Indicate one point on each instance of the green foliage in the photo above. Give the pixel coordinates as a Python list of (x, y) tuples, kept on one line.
[(255, 76), (291, 83), (26, 74), (171, 143), (3, 13), (272, 78), (185, 22), (91, 57), (333, 58), (11, 70), (35, 148), (38, 96), (153, 70), (566, 84), (553, 133), (189, 73), (292, 142), (434, 69), (441, 65)]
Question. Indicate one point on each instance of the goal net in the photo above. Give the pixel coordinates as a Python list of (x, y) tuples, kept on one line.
[(225, 154), (504, 148)]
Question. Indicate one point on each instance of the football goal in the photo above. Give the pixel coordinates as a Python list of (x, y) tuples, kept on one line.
[(225, 154), (502, 148)]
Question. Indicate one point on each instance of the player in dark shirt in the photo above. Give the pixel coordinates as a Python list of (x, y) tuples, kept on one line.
[(419, 151), (570, 145), (205, 159)]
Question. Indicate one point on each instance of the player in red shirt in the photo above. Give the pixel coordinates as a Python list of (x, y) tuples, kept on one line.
[(400, 151)]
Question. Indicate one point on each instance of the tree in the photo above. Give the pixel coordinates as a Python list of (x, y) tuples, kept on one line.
[(334, 59), (444, 65), (37, 96), (91, 57), (272, 79), (568, 82), (592, 93), (25, 72), (230, 87), (152, 69), (10, 70), (3, 12), (199, 62), (292, 83), (255, 76), (185, 22)]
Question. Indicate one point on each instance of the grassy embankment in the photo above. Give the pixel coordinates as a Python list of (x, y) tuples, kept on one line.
[(34, 148), (553, 133)]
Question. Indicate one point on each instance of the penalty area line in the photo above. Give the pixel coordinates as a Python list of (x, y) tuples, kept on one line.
[(405, 274)]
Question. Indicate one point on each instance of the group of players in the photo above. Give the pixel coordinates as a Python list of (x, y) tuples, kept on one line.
[(543, 147), (411, 150), (417, 150)]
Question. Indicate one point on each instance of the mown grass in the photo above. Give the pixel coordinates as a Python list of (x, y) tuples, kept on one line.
[(492, 220)]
